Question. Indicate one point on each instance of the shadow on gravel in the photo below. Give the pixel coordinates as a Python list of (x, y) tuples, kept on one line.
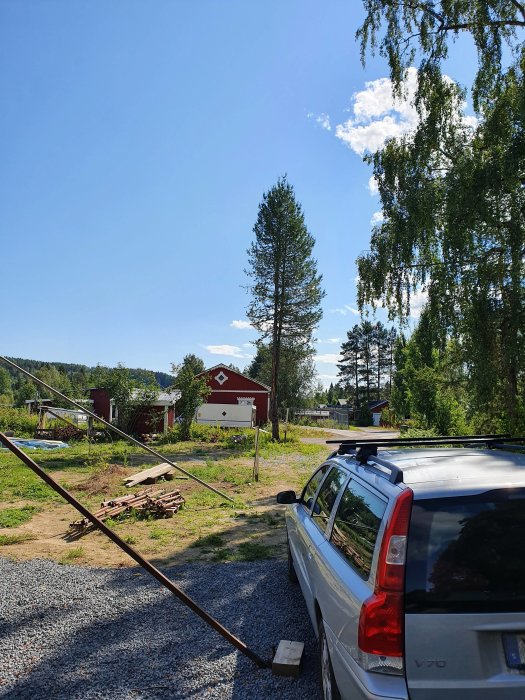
[(79, 634)]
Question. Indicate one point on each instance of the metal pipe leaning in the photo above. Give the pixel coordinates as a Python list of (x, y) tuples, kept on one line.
[(144, 563), (114, 428)]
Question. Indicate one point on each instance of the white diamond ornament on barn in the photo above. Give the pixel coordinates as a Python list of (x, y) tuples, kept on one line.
[(221, 377)]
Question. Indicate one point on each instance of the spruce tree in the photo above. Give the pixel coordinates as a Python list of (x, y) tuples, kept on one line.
[(285, 286)]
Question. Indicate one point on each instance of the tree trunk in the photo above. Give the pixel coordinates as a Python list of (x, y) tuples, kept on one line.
[(379, 360), (274, 411), (356, 383)]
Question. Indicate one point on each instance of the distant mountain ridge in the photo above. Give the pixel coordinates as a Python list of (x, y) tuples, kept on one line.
[(163, 379)]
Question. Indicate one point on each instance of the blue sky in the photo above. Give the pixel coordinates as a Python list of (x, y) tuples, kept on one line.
[(137, 139)]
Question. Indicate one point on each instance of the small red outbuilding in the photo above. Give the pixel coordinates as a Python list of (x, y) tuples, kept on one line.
[(154, 418), (229, 386)]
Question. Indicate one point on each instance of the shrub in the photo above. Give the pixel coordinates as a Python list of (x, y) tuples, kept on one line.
[(200, 432), (18, 420), (365, 416)]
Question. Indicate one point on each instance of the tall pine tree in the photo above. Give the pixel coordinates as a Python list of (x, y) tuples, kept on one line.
[(286, 288)]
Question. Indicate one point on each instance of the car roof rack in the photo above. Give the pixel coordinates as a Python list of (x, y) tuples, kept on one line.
[(348, 446), (365, 449)]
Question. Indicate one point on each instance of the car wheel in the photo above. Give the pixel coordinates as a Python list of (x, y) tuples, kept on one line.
[(330, 690), (292, 576)]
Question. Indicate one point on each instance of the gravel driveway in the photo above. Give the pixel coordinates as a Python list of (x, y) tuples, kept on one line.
[(77, 633)]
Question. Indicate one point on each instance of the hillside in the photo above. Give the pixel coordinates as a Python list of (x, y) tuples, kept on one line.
[(163, 379)]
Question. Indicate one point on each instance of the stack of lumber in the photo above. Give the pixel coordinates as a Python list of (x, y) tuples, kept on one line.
[(150, 476), (156, 504)]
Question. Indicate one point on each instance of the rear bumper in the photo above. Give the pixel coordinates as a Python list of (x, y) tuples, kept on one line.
[(355, 683)]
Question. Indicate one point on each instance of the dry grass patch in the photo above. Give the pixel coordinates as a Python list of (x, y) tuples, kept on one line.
[(6, 540), (105, 481)]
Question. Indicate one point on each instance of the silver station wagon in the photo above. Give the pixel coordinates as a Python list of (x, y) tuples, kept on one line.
[(411, 560)]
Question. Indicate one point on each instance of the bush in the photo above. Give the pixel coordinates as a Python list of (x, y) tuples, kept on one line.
[(200, 432), (413, 432), (18, 420), (388, 418), (365, 416), (323, 423)]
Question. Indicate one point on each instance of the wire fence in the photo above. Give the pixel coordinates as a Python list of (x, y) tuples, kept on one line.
[(324, 417)]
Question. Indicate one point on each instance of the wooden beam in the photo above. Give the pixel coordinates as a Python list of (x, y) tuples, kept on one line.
[(287, 659), (151, 475)]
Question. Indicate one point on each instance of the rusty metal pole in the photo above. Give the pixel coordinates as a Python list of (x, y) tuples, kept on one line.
[(144, 563), (114, 428)]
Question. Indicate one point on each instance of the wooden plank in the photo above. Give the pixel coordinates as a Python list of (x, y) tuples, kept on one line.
[(165, 470), (287, 659)]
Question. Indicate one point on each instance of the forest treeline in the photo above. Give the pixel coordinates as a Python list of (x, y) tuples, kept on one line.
[(71, 379)]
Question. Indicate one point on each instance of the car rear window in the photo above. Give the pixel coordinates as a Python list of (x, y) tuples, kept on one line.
[(466, 554), (327, 497)]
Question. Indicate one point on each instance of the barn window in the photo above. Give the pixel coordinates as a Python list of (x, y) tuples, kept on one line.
[(245, 400)]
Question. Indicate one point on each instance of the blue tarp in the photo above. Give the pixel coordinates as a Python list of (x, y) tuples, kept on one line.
[(38, 444)]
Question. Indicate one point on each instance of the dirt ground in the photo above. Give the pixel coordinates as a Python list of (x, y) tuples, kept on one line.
[(208, 527), (257, 519)]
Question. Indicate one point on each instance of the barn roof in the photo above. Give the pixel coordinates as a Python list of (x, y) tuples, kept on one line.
[(163, 398), (376, 404), (229, 369)]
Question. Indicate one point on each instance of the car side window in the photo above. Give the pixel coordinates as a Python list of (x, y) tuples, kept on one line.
[(356, 525), (311, 487), (327, 497)]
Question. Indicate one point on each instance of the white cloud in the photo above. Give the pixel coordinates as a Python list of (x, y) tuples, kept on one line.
[(378, 115), (345, 310), (418, 299), (227, 350), (322, 119), (373, 186), (377, 218), (329, 358), (327, 379), (240, 324), (330, 341)]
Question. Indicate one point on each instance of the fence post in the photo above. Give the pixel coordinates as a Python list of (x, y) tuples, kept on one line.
[(256, 460), (286, 423)]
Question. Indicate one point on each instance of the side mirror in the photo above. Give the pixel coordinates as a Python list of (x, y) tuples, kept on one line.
[(286, 497)]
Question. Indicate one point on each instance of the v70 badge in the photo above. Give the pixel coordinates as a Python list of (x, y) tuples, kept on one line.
[(430, 663)]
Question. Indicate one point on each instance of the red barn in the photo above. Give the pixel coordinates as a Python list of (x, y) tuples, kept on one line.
[(229, 386)]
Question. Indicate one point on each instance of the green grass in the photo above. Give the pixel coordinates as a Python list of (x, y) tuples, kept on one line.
[(160, 534), (213, 540), (223, 462), (273, 520), (223, 555), (204, 512), (6, 540), (251, 551), (72, 555), (13, 517), (246, 551)]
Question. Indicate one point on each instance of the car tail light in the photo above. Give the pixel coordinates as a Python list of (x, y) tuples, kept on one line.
[(381, 622)]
